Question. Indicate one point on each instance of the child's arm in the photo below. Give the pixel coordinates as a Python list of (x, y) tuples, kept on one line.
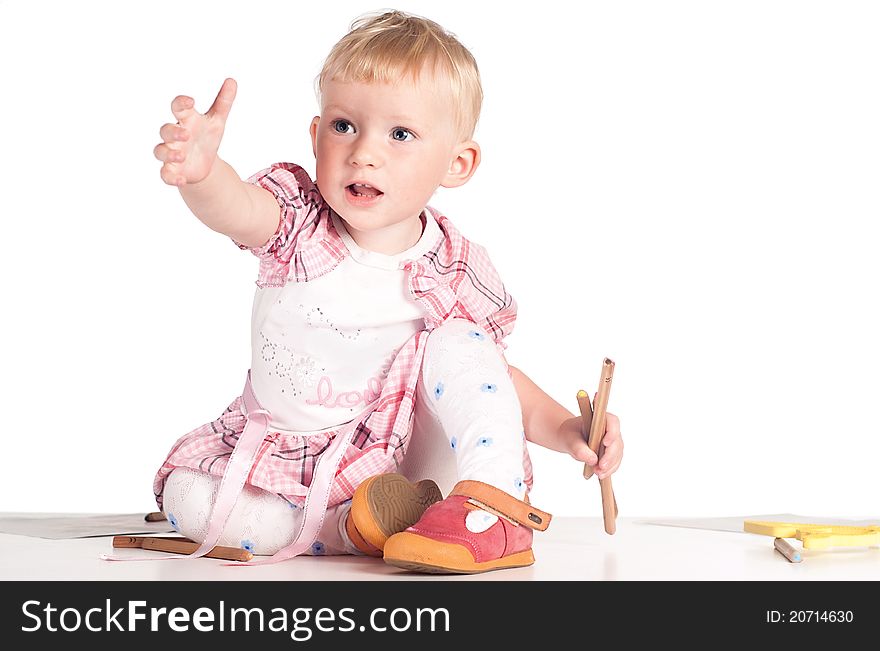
[(210, 187), (552, 426)]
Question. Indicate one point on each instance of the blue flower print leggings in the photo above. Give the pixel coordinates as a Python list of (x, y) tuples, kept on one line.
[(465, 389), (472, 398)]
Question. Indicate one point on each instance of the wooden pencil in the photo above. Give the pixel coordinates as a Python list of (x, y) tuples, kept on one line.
[(600, 404), (609, 506), (586, 410), (176, 545), (788, 550), (609, 502)]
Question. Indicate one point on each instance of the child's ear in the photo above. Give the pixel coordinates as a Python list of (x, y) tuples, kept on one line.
[(463, 166), (313, 130)]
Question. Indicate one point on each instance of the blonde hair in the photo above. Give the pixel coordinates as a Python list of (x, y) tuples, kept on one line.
[(387, 47)]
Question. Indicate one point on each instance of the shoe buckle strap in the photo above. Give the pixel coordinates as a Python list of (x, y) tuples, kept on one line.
[(488, 509), (495, 501)]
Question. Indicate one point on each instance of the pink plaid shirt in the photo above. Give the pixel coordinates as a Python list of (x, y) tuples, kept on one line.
[(455, 279)]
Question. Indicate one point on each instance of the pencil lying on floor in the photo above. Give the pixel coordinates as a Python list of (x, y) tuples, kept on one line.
[(176, 545), (788, 550)]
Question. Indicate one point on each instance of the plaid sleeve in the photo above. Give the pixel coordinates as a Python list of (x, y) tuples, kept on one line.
[(489, 303), (300, 204), (456, 279)]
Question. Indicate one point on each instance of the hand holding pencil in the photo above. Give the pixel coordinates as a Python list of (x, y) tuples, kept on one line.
[(594, 421)]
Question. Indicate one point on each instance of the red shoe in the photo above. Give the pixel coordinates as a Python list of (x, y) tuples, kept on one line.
[(440, 542), (384, 505)]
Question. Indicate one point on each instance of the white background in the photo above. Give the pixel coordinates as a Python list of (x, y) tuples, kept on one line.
[(690, 188)]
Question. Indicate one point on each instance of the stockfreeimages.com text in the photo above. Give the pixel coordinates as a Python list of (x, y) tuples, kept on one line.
[(301, 623)]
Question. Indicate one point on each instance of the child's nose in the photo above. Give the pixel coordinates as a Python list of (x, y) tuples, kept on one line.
[(365, 153)]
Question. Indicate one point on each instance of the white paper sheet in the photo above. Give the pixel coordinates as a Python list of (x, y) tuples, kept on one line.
[(736, 523), (59, 526)]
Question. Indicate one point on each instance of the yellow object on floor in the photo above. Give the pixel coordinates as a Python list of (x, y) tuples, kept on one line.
[(817, 536)]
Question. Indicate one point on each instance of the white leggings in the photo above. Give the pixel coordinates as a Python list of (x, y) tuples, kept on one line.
[(464, 388)]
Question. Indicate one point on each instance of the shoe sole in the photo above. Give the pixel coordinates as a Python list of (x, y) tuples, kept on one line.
[(388, 504), (416, 553)]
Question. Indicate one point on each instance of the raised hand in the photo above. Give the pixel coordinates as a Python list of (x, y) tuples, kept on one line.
[(189, 148)]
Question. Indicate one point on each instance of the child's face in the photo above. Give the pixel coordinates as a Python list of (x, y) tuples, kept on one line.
[(398, 138)]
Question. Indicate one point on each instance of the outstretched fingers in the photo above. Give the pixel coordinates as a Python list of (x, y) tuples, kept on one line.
[(169, 152), (172, 175), (189, 147), (166, 154), (173, 133), (183, 107), (223, 102)]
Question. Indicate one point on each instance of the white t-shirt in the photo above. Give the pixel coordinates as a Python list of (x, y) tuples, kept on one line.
[(321, 350)]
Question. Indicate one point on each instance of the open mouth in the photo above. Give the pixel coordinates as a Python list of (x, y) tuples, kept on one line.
[(363, 190)]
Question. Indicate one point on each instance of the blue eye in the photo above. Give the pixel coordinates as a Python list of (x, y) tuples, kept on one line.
[(402, 135), (342, 126)]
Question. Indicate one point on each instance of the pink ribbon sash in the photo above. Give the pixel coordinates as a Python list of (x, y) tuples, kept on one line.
[(239, 466)]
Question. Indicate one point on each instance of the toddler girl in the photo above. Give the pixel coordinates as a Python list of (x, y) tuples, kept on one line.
[(370, 306)]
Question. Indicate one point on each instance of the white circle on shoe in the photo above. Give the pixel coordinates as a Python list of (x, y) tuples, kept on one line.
[(478, 521)]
